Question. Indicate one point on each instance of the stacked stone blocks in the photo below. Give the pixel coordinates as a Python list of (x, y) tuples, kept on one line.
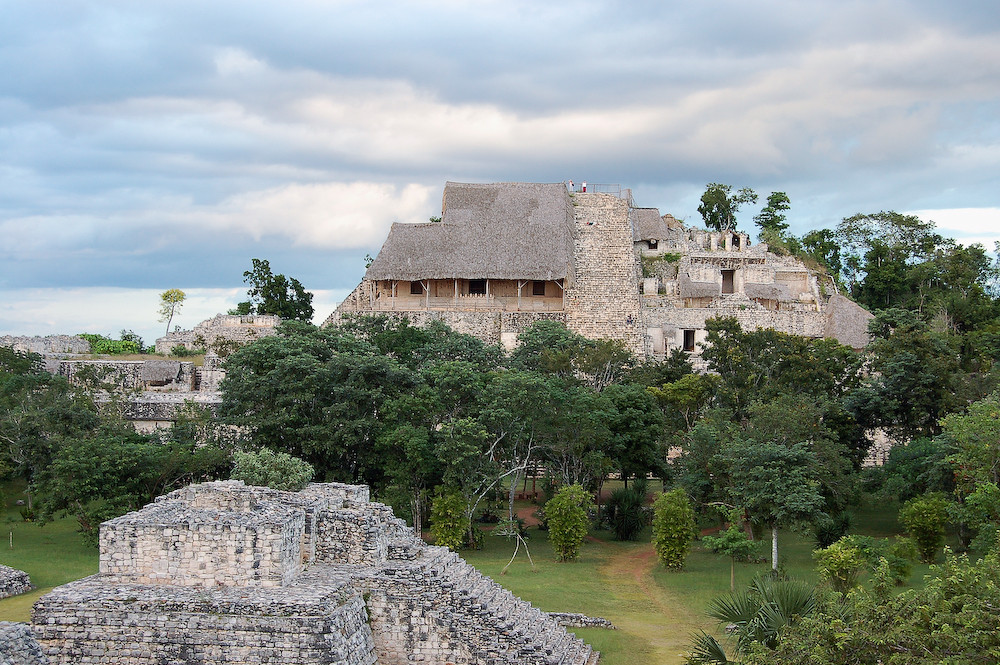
[(225, 573)]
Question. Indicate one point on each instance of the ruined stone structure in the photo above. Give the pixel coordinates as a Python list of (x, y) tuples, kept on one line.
[(506, 255), (224, 573), (50, 344), (13, 581), (151, 391), (220, 332)]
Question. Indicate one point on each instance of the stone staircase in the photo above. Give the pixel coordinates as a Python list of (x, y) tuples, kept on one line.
[(493, 624)]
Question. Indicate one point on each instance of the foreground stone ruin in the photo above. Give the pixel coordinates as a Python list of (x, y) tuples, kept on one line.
[(225, 573)]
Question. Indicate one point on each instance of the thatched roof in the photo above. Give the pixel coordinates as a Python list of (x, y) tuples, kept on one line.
[(767, 291), (491, 231), (160, 370), (847, 322), (690, 289), (647, 224)]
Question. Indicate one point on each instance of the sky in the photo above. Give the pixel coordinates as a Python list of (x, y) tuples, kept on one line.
[(157, 145)]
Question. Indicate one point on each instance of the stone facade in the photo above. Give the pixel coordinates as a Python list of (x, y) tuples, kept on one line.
[(634, 276), (13, 582), (222, 330), (18, 645), (49, 344), (225, 573)]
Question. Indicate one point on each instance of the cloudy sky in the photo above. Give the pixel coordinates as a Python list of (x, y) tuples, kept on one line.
[(155, 145)]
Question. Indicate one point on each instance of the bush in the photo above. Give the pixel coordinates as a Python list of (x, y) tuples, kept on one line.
[(449, 520), (278, 471), (828, 529), (566, 513), (925, 518), (625, 513), (840, 564), (101, 345), (673, 528)]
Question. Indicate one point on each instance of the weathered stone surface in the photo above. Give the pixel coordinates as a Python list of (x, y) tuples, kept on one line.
[(13, 581), (225, 573), (222, 330), (18, 645), (48, 344)]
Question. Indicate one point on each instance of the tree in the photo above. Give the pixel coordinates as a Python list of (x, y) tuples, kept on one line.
[(317, 394), (925, 518), (772, 216), (566, 513), (777, 484), (822, 246), (673, 528), (734, 543), (171, 302), (719, 205), (267, 468), (275, 294)]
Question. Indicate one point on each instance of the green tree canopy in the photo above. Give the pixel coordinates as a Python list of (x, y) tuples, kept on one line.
[(275, 294), (719, 205)]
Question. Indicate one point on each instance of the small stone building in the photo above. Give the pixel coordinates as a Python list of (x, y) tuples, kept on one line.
[(505, 255), (225, 573)]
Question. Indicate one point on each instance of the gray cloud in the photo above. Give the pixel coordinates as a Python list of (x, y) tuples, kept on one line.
[(164, 143)]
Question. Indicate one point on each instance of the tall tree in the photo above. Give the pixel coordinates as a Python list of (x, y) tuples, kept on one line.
[(771, 218), (171, 302), (275, 294), (719, 205)]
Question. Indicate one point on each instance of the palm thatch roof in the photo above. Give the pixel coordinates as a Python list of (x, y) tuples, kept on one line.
[(487, 231), (647, 224), (692, 289)]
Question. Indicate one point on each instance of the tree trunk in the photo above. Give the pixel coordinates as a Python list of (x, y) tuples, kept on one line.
[(774, 547)]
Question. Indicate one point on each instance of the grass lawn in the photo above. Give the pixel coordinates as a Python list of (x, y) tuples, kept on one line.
[(656, 611), (51, 555)]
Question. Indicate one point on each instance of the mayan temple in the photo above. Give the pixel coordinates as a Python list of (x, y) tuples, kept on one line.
[(225, 573), (506, 255)]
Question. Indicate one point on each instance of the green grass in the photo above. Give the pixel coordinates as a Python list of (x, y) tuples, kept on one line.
[(52, 554), (656, 611)]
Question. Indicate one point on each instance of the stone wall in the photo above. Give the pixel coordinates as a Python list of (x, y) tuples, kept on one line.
[(603, 299), (125, 375), (222, 330), (48, 344), (13, 581), (215, 573), (18, 645)]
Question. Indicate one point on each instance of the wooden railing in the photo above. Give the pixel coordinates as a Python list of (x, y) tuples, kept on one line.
[(467, 303)]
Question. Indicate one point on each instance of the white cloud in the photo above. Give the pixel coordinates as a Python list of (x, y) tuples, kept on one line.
[(107, 311), (966, 225)]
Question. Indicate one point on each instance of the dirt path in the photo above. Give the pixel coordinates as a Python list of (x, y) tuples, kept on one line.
[(528, 515), (654, 613)]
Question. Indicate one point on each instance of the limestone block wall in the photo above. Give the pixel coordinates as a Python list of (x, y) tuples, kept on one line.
[(13, 581), (46, 345), (125, 375), (220, 329), (153, 625), (18, 645), (603, 299), (491, 327), (170, 543)]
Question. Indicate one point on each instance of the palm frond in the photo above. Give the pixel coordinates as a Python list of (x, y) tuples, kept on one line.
[(706, 650)]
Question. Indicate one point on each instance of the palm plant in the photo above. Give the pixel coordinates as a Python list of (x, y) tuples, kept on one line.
[(755, 615)]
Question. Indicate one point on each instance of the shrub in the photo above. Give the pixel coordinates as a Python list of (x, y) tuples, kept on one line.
[(625, 511), (181, 351), (840, 564), (449, 520), (101, 345), (566, 513), (279, 471), (828, 529), (673, 528), (925, 518)]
